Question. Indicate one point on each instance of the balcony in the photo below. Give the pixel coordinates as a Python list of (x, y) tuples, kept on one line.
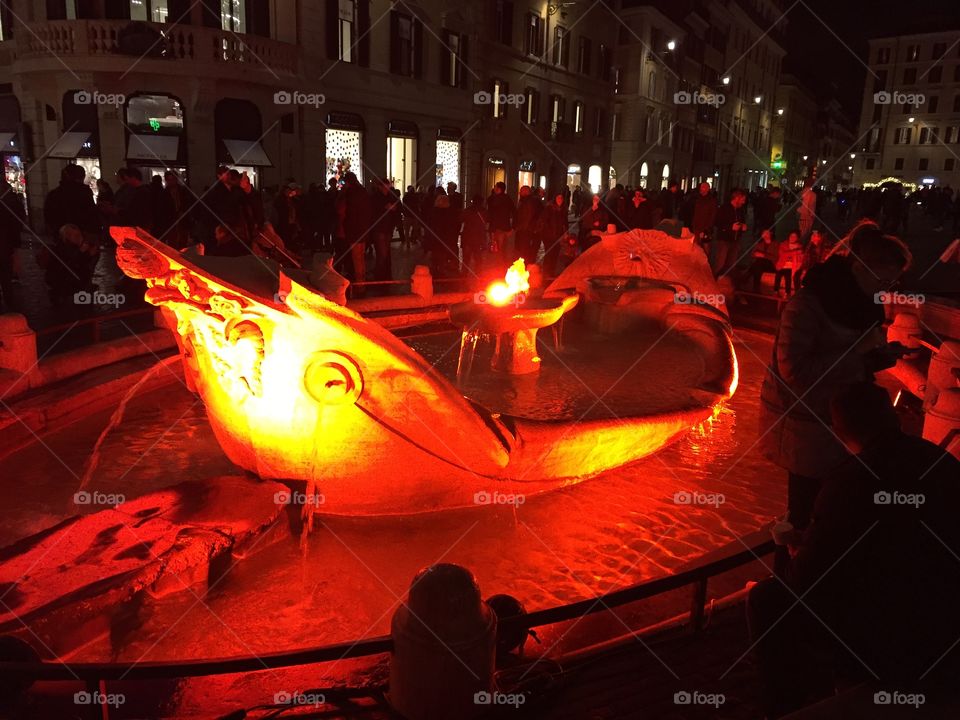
[(97, 45)]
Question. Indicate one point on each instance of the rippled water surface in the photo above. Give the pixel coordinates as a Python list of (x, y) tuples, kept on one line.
[(614, 530)]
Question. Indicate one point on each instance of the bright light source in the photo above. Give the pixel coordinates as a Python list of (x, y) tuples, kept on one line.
[(805, 157), (758, 99), (779, 111), (911, 119), (853, 156), (672, 45), (726, 80)]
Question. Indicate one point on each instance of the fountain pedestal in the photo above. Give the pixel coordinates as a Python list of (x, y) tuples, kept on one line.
[(514, 328)]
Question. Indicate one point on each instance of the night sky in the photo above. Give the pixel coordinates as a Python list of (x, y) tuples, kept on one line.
[(828, 68)]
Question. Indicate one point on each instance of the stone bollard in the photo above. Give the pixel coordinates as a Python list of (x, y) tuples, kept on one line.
[(943, 421), (18, 344), (421, 282), (940, 374), (444, 640)]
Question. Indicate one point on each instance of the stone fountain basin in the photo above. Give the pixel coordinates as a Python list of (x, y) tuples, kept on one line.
[(533, 313), (614, 289)]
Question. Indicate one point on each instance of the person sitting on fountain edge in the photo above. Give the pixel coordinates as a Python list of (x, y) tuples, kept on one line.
[(869, 593)]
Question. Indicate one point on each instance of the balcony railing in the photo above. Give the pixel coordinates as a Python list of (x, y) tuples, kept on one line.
[(70, 39)]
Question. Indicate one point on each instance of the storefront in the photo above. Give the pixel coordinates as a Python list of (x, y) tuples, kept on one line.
[(495, 170), (573, 177), (79, 141), (10, 140), (344, 145), (527, 174), (156, 134), (402, 143), (239, 134), (448, 157)]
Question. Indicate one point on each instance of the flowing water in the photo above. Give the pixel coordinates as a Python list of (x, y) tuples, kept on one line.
[(627, 525)]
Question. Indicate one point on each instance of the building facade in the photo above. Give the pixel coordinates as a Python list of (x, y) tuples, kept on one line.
[(910, 118), (528, 92), (795, 142)]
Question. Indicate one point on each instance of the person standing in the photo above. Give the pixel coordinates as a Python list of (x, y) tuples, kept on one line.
[(639, 214), (554, 227), (704, 216), (763, 258), (528, 214), (11, 225), (71, 203), (807, 211), (385, 211), (789, 261), (731, 224), (473, 240), (353, 208), (592, 222), (830, 336), (501, 213)]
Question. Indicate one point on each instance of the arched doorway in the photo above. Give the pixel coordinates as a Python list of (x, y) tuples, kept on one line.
[(495, 171), (595, 178), (156, 135)]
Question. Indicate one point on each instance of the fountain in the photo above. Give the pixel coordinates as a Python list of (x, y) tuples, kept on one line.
[(507, 312), (298, 387)]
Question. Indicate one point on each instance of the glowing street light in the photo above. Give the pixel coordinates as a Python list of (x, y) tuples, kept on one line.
[(758, 99), (805, 157), (911, 119), (779, 111), (726, 80), (672, 45), (853, 156)]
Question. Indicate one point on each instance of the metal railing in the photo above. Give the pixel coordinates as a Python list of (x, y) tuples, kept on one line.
[(95, 675)]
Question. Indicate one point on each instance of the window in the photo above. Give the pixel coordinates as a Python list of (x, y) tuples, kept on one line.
[(6, 20), (597, 123), (500, 89), (925, 136), (949, 164), (933, 103), (233, 15), (533, 39), (936, 74), (578, 117), (870, 164), (951, 134), (616, 80), (346, 24), (605, 62), (910, 76), (956, 73), (956, 103), (503, 22), (913, 53), (556, 115), (902, 136), (453, 66), (939, 50), (923, 164), (561, 47), (406, 38), (532, 106), (883, 55), (615, 126), (898, 164), (584, 52), (149, 10)]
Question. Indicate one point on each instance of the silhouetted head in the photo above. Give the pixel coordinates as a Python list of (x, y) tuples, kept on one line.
[(862, 414)]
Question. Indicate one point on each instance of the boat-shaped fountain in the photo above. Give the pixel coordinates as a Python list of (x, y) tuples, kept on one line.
[(298, 387)]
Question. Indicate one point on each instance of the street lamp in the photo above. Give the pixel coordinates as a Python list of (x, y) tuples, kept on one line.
[(726, 80), (911, 119), (779, 111), (805, 157), (555, 7), (853, 156), (758, 99), (672, 45)]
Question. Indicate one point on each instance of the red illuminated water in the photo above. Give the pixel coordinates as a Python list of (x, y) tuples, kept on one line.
[(614, 530)]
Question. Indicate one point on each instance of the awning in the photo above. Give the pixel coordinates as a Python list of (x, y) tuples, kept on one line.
[(247, 152), (68, 146), (153, 148)]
